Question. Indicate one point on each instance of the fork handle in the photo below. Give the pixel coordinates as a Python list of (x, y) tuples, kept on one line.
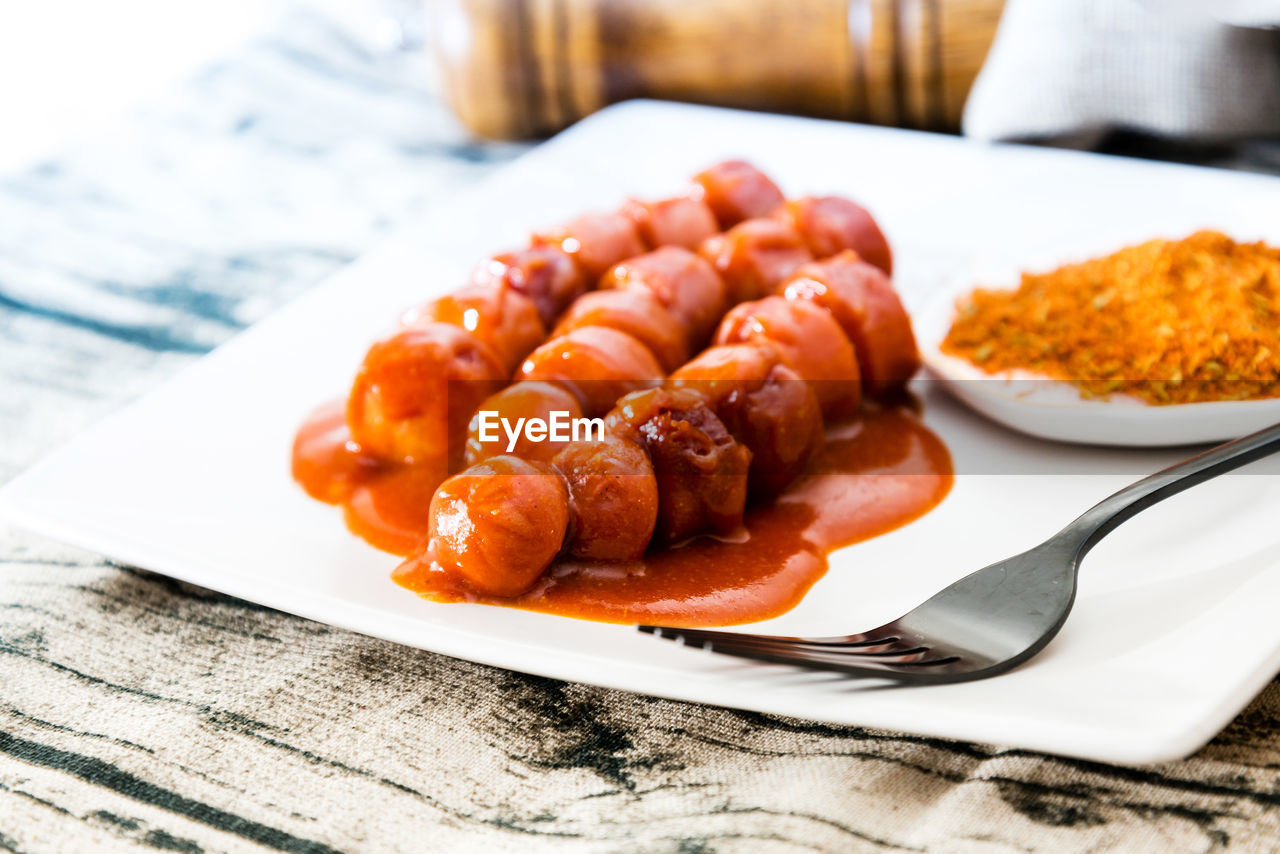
[(1106, 515)]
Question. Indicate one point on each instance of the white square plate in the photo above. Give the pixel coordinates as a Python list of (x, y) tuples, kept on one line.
[(1175, 626)]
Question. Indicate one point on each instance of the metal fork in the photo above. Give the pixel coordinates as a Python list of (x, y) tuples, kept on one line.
[(996, 618)]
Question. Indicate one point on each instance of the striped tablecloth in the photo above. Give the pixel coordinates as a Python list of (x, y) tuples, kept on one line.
[(140, 713)]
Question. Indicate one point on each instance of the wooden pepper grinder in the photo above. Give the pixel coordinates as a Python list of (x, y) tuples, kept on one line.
[(520, 68)]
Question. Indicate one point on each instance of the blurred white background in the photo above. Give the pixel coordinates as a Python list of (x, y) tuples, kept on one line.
[(68, 65)]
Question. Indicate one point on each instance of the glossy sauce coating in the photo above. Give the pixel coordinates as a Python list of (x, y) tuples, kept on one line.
[(384, 503), (520, 401), (596, 241), (681, 221), (613, 498), (862, 300), (831, 224), (326, 462), (390, 511), (497, 314), (416, 391), (597, 364), (548, 275), (636, 312), (500, 523), (684, 283), (809, 341), (877, 473), (765, 405), (700, 468), (755, 257), (735, 190)]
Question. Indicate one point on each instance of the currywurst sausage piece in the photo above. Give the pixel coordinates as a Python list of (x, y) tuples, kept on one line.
[(735, 190), (639, 313), (701, 469), (755, 256), (681, 221), (765, 405), (831, 224), (515, 402), (596, 241), (416, 391), (862, 300), (684, 283), (499, 524), (597, 364), (613, 497), (502, 318), (547, 275), (809, 341)]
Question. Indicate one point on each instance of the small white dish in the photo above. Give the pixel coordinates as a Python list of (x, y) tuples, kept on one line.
[(1055, 409)]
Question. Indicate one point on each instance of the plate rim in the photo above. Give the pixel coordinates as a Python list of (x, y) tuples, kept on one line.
[(1148, 745)]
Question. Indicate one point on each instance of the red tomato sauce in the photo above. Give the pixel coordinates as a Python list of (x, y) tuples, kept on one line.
[(879, 471)]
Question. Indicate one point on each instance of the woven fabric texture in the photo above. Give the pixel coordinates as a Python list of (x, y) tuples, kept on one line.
[(1074, 69)]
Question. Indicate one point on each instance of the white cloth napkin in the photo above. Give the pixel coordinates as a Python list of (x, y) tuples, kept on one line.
[(1070, 70)]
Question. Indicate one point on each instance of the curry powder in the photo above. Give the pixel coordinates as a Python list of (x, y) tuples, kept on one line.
[(1166, 321)]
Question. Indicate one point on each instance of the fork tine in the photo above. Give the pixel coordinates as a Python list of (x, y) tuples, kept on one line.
[(784, 650), (875, 637), (853, 665), (913, 655), (881, 647), (894, 650)]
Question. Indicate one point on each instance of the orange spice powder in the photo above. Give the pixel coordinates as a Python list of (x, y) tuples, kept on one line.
[(1167, 321)]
